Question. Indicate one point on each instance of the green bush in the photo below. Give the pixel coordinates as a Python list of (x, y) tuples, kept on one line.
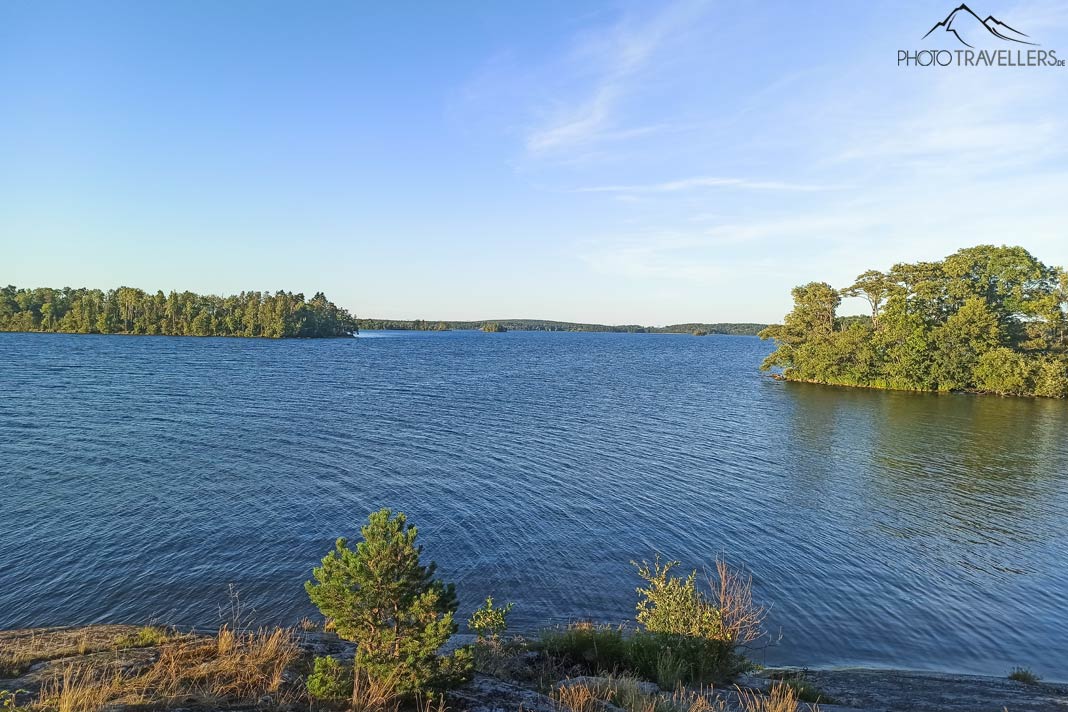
[(1003, 371), (693, 633), (382, 598), (489, 622), (666, 658), (594, 648), (1051, 377), (671, 604), (670, 659), (330, 681), (145, 637), (1024, 675)]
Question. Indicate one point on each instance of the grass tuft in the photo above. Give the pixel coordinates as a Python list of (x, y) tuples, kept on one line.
[(1024, 675), (147, 636), (782, 697)]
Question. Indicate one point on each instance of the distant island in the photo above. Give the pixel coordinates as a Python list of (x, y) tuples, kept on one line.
[(133, 311), (280, 315), (743, 329), (985, 319)]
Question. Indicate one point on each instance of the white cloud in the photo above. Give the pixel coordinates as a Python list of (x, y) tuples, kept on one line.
[(698, 182), (610, 61)]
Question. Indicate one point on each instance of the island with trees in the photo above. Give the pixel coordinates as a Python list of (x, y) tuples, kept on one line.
[(733, 329), (986, 319), (133, 311)]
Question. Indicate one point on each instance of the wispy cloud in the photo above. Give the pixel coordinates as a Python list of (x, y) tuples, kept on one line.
[(610, 60), (699, 182)]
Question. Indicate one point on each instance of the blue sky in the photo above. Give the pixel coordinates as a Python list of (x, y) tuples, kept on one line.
[(603, 161)]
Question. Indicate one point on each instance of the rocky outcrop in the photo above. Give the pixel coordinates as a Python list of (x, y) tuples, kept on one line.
[(489, 694), (906, 691)]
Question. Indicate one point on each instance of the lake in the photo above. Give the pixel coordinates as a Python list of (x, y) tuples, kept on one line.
[(141, 475)]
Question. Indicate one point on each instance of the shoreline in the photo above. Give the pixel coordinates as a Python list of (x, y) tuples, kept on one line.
[(50, 653)]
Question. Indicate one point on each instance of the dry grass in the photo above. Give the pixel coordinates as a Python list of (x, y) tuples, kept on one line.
[(582, 697), (80, 689), (780, 698), (627, 694), (232, 668), (24, 648), (370, 695)]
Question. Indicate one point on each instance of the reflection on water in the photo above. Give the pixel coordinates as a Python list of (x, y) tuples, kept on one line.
[(144, 474)]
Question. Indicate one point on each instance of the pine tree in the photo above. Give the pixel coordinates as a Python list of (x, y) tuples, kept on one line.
[(383, 599)]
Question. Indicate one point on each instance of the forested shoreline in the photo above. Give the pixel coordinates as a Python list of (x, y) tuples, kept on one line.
[(127, 310), (744, 329), (985, 319)]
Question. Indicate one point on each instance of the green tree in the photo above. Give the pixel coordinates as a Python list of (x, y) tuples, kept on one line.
[(381, 597), (960, 342), (933, 326), (489, 621), (874, 287)]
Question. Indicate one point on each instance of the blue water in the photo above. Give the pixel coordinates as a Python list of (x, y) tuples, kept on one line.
[(141, 475)]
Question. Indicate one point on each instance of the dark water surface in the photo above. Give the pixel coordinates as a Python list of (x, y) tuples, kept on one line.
[(141, 475)]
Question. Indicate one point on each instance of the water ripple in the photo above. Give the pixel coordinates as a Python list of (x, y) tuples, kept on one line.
[(142, 475)]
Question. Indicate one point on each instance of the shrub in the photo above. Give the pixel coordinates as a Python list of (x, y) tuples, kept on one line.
[(380, 596), (593, 648), (693, 634), (1051, 377), (671, 659), (9, 701), (330, 680), (1024, 675), (146, 637), (489, 622), (805, 691), (1003, 371)]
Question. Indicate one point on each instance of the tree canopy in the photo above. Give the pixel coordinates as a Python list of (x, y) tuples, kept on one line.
[(986, 318), (133, 311)]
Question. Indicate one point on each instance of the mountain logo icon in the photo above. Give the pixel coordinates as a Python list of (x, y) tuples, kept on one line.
[(970, 30)]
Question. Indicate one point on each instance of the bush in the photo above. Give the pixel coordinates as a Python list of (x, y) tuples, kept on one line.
[(1003, 371), (382, 598), (145, 637), (671, 659), (693, 634), (330, 680), (593, 648), (1024, 675), (1051, 377), (489, 622)]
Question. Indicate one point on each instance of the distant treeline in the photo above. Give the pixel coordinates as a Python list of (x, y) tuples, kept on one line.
[(545, 325), (988, 319), (133, 311)]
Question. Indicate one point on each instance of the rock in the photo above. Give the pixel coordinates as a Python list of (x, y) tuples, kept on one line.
[(901, 690), (319, 644), (646, 688), (488, 694)]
